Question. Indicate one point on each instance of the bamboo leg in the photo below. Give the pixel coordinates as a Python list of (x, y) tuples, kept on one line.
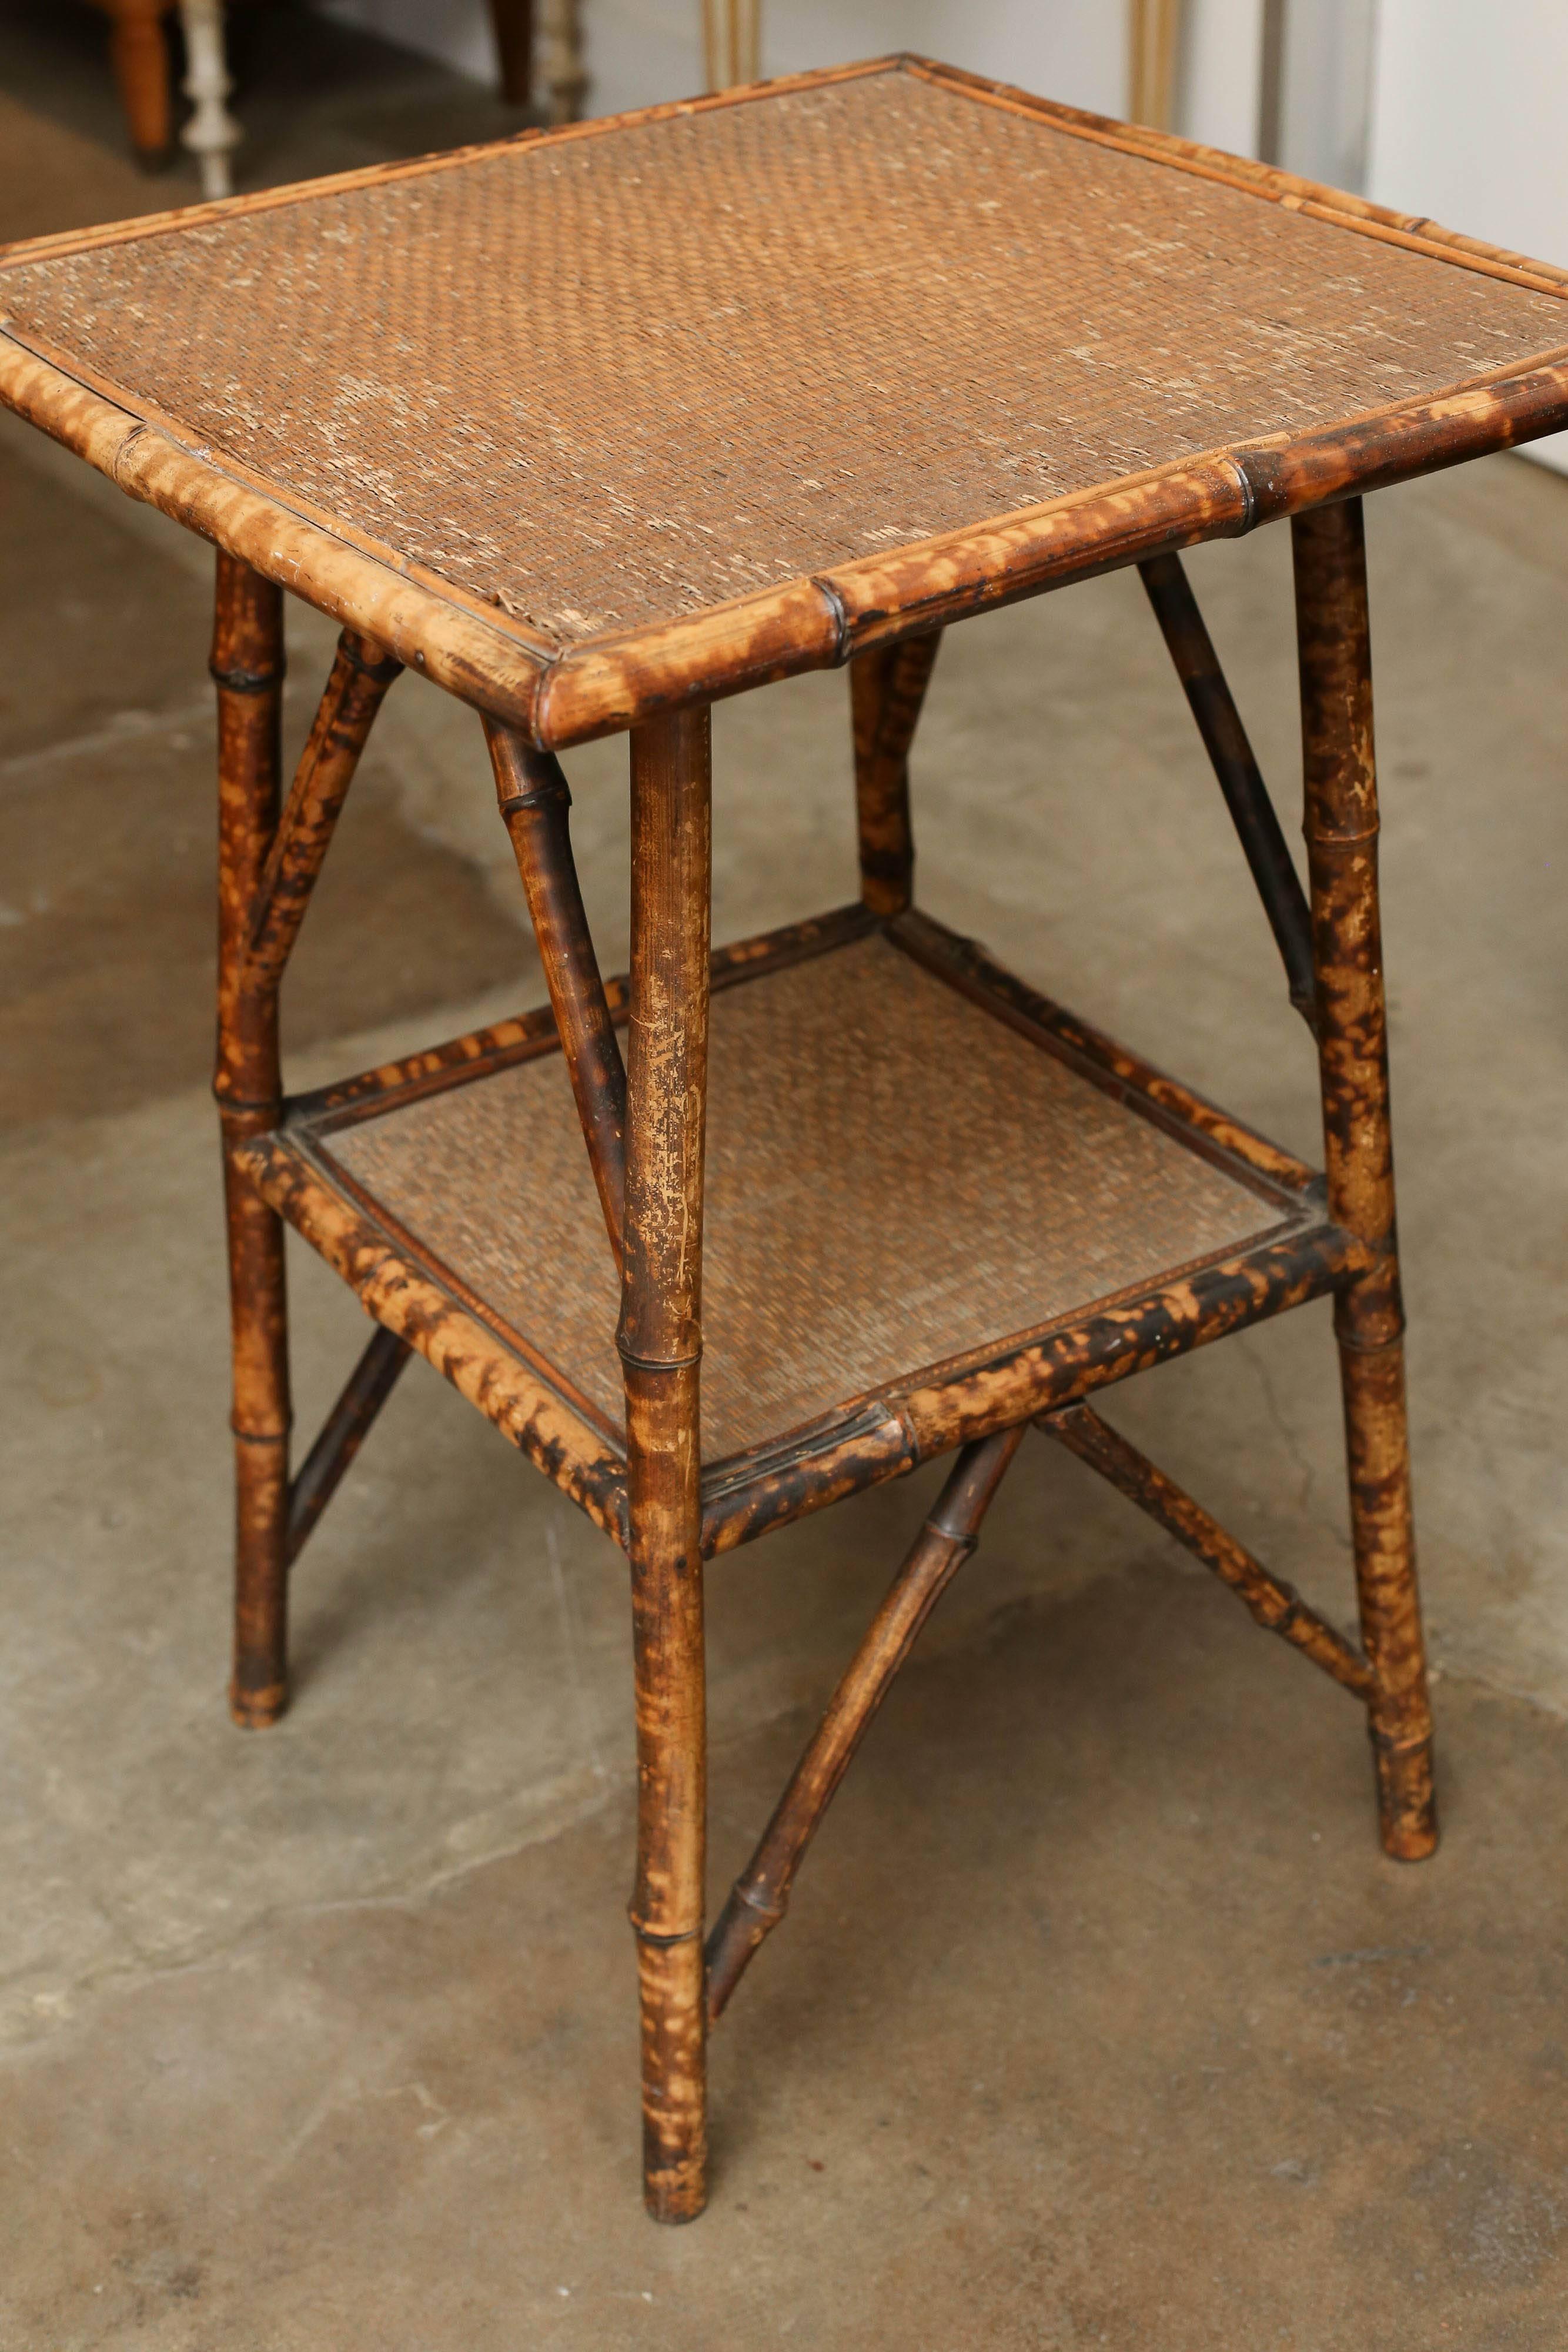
[(1335, 645), (248, 663), (760, 1895), (267, 866), (660, 1341), (887, 689), (535, 801)]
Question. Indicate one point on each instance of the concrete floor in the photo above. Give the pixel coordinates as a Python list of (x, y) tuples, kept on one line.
[(1098, 2018)]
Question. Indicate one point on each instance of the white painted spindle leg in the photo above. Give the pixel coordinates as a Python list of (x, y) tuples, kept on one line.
[(212, 132), (565, 80)]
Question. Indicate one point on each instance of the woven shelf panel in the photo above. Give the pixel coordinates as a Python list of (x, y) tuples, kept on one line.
[(893, 1178), (629, 376)]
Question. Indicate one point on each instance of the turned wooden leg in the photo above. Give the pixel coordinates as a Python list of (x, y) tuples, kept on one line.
[(887, 692), (212, 132), (661, 1344), (565, 78), (248, 663), (140, 55), (1341, 842)]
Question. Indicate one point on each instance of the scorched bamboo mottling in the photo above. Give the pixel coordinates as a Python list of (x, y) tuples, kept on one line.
[(534, 802), (248, 663), (1342, 825), (660, 1340)]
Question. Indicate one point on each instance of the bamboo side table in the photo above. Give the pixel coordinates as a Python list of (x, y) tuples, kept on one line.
[(592, 428)]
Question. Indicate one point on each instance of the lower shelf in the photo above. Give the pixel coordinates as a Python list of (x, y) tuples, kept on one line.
[(935, 1204)]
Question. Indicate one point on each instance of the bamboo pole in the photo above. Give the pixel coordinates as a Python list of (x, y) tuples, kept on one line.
[(535, 802), (395, 1285), (357, 684), (888, 691), (248, 665), (760, 1895), (1237, 771), (343, 1433), (1341, 825), (267, 867), (1274, 1604), (660, 1338)]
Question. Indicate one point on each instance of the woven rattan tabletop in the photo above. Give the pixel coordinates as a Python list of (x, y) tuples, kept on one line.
[(591, 422)]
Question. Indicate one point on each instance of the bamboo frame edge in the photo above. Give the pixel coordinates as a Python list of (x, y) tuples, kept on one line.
[(604, 685), (1267, 181), (429, 633), (56, 242), (401, 1298), (1206, 1127)]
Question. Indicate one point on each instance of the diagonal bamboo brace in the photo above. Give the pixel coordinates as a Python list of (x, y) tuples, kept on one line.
[(1238, 773), (1274, 1604), (887, 692), (343, 1433), (535, 802), (360, 677), (760, 1895)]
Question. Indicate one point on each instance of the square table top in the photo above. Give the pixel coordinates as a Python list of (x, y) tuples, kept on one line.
[(594, 421)]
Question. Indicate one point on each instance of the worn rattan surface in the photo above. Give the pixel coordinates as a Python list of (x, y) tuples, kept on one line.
[(629, 376), (893, 1177)]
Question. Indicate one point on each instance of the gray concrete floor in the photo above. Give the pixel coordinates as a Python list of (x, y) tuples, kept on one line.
[(1099, 2016)]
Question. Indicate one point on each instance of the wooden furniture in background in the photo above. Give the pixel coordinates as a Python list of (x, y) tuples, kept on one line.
[(512, 24), (139, 48), (561, 72), (752, 1229), (211, 134), (138, 51)]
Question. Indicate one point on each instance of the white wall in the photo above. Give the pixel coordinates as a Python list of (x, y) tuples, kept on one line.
[(1469, 124), (1324, 109), (641, 51), (1076, 50), (1221, 68)]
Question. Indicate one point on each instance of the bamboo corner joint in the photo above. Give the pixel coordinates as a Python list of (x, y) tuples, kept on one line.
[(639, 1374)]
